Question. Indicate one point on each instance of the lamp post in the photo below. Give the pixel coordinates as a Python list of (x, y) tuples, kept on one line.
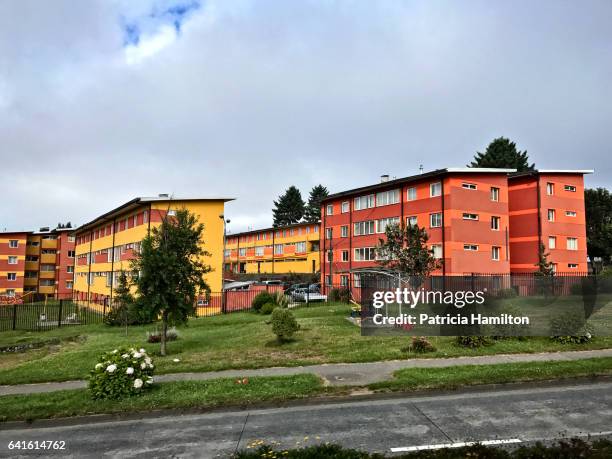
[(225, 222)]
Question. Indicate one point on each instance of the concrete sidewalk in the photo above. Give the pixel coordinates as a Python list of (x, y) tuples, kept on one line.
[(335, 374)]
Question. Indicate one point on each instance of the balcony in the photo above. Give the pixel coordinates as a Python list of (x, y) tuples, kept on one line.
[(31, 266), (48, 243), (48, 258), (47, 275)]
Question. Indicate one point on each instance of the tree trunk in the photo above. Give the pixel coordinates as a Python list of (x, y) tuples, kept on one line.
[(162, 351)]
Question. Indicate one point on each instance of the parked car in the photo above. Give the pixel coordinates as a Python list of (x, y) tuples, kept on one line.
[(305, 295)]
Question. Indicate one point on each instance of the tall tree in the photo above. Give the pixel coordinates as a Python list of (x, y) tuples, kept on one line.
[(502, 153), (289, 208), (545, 267), (405, 250), (170, 269), (124, 299), (598, 206), (312, 213)]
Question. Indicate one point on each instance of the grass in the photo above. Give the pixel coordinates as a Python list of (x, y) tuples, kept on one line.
[(238, 341), (176, 395), (459, 376), (226, 392)]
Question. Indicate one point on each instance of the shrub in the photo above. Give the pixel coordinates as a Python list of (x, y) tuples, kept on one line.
[(342, 295), (268, 308), (260, 299), (280, 299), (284, 324), (420, 345), (121, 373), (155, 336), (510, 330), (506, 293), (119, 313), (571, 327), (473, 341)]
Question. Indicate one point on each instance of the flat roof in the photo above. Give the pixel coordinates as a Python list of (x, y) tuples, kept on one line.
[(551, 171), (137, 202), (418, 177), (271, 228)]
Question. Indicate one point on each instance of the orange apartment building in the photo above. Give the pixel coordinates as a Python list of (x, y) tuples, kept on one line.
[(547, 207), (465, 212), (106, 245), (277, 250), (37, 262)]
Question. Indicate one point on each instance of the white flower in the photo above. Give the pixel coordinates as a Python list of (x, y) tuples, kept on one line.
[(115, 351), (98, 366), (176, 360), (137, 355), (143, 365), (142, 351), (150, 380), (148, 361), (150, 365), (138, 383), (111, 368), (129, 370), (126, 356)]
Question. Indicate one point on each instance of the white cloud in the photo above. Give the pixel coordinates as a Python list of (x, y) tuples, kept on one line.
[(150, 45)]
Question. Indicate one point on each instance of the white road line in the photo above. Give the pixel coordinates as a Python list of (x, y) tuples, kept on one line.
[(405, 449)]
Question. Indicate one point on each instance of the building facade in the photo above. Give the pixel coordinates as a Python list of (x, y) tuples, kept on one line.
[(547, 207), (37, 262), (464, 210), (106, 245), (281, 250)]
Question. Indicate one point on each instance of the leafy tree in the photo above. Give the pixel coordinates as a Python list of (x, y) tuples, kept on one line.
[(598, 206), (503, 153), (121, 312), (289, 208), (545, 267), (405, 250), (170, 270), (312, 213)]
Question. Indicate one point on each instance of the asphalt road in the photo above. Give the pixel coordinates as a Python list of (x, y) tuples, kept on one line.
[(524, 414)]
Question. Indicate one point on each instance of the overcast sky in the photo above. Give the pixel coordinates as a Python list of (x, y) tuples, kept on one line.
[(102, 101)]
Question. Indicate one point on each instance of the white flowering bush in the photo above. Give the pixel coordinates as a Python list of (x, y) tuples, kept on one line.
[(121, 373)]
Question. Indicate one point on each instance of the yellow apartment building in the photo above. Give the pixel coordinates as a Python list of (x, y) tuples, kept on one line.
[(106, 245), (280, 250)]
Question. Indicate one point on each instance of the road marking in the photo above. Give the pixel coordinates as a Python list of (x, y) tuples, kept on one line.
[(405, 449)]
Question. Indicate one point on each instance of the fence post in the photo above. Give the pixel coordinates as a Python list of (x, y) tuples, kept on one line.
[(14, 316), (224, 302), (59, 313), (104, 307)]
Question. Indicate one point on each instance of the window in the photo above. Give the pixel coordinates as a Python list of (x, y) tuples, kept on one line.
[(69, 269), (47, 268), (570, 188), (278, 249), (570, 213), (435, 189), (470, 247), (494, 194), (344, 231), (385, 198), (71, 238), (554, 267), (10, 292), (330, 256), (495, 251), (365, 254), (109, 279), (328, 233), (31, 275), (436, 250), (469, 186), (357, 280), (300, 247), (328, 280), (468, 216), (552, 242), (345, 255), (362, 228), (411, 194), (13, 243), (71, 254), (12, 260), (11, 276), (345, 207), (171, 213), (69, 285), (572, 265), (550, 188), (145, 217), (242, 252), (381, 225), (344, 280), (259, 251), (31, 258), (435, 220), (411, 221), (47, 282), (495, 223), (364, 202), (572, 243), (329, 210), (551, 215)]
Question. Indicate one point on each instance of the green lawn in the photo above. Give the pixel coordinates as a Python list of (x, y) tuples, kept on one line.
[(226, 392), (238, 340)]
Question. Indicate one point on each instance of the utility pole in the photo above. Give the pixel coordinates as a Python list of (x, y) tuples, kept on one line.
[(225, 222)]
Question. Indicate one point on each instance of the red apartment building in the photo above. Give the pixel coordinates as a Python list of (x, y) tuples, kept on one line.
[(465, 212), (547, 207)]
